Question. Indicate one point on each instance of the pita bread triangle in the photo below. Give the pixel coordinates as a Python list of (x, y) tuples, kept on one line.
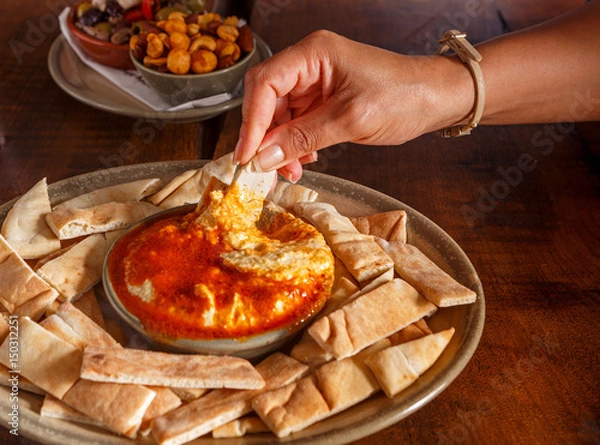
[(25, 227)]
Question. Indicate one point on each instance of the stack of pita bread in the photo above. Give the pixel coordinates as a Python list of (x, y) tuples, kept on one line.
[(372, 335)]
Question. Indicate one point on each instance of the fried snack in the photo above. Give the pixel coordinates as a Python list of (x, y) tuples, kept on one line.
[(228, 33), (184, 35), (246, 39), (203, 42), (179, 61), (203, 61), (179, 40), (155, 47)]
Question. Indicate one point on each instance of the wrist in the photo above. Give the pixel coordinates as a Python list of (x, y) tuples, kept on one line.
[(452, 92)]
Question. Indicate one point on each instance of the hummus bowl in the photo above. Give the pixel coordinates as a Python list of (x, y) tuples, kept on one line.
[(167, 281)]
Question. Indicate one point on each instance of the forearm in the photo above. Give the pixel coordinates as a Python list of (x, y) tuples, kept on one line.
[(549, 73)]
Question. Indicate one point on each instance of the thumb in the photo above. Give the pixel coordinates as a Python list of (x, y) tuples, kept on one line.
[(298, 138)]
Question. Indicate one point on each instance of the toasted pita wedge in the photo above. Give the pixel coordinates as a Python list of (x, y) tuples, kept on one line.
[(120, 407), (165, 401), (20, 283), (411, 332), (240, 428), (173, 185), (221, 406), (346, 382), (341, 291), (292, 407), (4, 328), (36, 307), (69, 223), (61, 329), (246, 177), (332, 388), (79, 268), (426, 276), (390, 226), (25, 227), (360, 253), (174, 370), (369, 318), (54, 408), (309, 352), (44, 359), (287, 195), (93, 334), (399, 366), (129, 191), (24, 384), (191, 191), (188, 394)]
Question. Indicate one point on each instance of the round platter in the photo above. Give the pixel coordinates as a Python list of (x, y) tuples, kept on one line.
[(368, 417), (91, 88)]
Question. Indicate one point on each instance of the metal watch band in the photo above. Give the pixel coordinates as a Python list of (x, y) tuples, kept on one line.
[(457, 41)]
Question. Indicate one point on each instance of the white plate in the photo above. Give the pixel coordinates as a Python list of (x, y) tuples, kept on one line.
[(93, 89), (364, 419)]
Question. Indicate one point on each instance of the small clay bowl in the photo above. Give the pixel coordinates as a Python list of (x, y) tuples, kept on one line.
[(105, 53)]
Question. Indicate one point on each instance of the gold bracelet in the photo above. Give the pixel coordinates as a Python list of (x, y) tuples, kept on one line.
[(456, 41)]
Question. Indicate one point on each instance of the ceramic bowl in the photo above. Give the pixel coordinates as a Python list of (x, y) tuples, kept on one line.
[(181, 88), (105, 53), (251, 347)]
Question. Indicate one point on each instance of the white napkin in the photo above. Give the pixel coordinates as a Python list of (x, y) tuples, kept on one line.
[(132, 82)]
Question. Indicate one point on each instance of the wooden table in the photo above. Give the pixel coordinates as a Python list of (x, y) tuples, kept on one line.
[(533, 237)]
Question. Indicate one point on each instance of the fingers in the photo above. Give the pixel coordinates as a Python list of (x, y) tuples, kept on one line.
[(293, 170), (299, 138), (281, 88)]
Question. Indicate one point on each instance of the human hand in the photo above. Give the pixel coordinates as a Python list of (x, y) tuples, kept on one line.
[(328, 89)]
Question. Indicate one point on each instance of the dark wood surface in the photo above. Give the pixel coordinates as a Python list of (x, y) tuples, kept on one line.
[(533, 237)]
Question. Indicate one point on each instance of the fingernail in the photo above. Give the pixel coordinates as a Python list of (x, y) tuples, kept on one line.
[(236, 152), (269, 158), (288, 176)]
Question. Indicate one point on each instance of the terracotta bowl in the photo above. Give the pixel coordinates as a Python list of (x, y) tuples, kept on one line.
[(105, 53)]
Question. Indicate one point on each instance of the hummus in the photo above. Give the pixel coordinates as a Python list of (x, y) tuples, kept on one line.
[(237, 268)]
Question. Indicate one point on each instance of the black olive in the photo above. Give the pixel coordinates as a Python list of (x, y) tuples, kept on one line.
[(113, 9), (91, 17)]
